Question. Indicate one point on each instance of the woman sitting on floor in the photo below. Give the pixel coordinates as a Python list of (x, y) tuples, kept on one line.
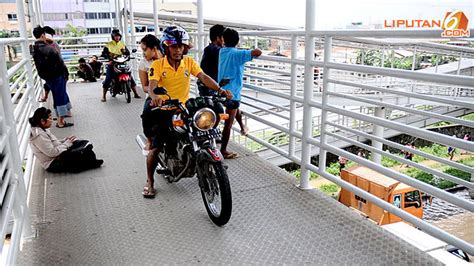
[(57, 156)]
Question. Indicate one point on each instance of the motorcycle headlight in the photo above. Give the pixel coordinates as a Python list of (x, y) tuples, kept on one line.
[(204, 119)]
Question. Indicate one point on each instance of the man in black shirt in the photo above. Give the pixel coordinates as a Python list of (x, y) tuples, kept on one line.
[(210, 58), (96, 66), (85, 71)]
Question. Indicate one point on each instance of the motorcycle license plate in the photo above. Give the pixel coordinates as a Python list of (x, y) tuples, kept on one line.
[(201, 135)]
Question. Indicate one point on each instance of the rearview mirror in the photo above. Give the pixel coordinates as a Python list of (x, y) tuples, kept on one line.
[(160, 91), (224, 82)]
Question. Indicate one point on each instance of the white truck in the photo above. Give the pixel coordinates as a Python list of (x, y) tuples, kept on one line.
[(438, 249)]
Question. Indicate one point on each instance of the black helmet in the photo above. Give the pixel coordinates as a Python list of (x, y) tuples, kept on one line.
[(115, 33)]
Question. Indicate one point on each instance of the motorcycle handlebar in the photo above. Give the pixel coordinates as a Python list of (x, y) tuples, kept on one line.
[(220, 98), (167, 104)]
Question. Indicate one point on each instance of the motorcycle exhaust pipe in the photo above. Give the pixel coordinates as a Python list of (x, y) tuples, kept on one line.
[(141, 141)]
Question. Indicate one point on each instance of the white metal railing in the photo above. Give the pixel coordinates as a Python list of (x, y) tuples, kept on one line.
[(19, 89), (327, 105)]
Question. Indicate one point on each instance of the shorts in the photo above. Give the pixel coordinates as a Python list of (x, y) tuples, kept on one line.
[(232, 104), (156, 124)]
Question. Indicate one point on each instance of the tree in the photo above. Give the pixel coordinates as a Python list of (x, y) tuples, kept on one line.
[(11, 50), (373, 57), (72, 31)]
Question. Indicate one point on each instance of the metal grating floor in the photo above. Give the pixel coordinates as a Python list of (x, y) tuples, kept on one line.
[(100, 217)]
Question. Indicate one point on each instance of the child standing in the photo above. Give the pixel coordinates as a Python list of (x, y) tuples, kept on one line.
[(231, 66)]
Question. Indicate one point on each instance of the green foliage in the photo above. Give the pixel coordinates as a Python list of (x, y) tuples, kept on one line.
[(438, 182), (279, 138), (469, 117), (276, 138), (468, 161), (72, 31), (388, 162), (458, 173), (443, 184), (329, 188), (297, 173), (333, 168), (420, 175), (439, 124), (436, 150), (9, 34), (374, 58)]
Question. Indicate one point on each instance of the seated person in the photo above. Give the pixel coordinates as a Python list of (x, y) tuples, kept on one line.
[(85, 71), (58, 156), (96, 66)]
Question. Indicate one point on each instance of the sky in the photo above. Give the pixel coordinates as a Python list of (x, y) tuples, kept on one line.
[(330, 14)]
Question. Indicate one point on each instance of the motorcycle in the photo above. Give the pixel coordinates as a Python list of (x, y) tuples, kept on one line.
[(122, 83), (191, 149)]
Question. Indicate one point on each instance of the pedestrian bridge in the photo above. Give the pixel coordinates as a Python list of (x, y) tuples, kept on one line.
[(100, 216)]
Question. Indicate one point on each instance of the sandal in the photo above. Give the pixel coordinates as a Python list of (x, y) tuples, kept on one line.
[(149, 192), (244, 131), (229, 155), (66, 124), (103, 100)]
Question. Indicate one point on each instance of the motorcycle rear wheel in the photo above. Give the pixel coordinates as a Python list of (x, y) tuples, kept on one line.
[(216, 193)]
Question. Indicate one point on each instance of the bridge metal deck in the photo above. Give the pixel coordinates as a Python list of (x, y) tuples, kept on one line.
[(100, 217)]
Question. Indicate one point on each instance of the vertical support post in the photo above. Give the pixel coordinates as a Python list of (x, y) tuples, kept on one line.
[(308, 94), (31, 13), (112, 19), (362, 57), (413, 82), (294, 55), (118, 15), (471, 191), (324, 102), (155, 17), (133, 38), (132, 27), (382, 64), (25, 50), (13, 149), (459, 64), (39, 13), (125, 22), (378, 132), (22, 196), (255, 44), (392, 60), (200, 20)]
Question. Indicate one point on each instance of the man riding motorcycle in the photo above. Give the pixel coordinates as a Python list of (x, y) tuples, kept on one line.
[(111, 50), (172, 72)]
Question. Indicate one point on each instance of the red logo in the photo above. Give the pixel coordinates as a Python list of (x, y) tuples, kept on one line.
[(455, 25)]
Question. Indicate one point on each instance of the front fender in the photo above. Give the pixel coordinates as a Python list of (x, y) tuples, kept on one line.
[(211, 155), (203, 158)]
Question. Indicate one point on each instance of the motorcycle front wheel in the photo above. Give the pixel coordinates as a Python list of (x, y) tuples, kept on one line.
[(216, 193), (126, 89), (113, 89)]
